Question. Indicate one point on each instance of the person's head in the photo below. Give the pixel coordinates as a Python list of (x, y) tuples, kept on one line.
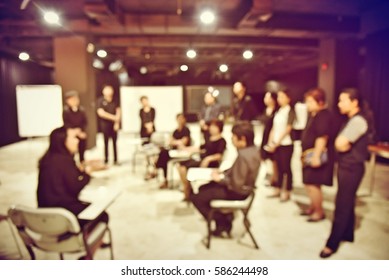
[(181, 120), (72, 99), (63, 141), (239, 89), (144, 100), (349, 101), (108, 92), (215, 127), (270, 99), (283, 98), (242, 134), (209, 99), (315, 99)]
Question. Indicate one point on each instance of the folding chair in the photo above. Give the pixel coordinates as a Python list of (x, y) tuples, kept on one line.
[(57, 230), (229, 206)]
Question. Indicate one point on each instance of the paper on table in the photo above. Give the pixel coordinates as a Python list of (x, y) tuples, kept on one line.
[(196, 174), (179, 154)]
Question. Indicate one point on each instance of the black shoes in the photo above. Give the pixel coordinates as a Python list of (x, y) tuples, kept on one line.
[(326, 253)]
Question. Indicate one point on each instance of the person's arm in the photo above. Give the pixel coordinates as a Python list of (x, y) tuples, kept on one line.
[(71, 177), (105, 115), (319, 147), (354, 129), (118, 114), (235, 177), (217, 156)]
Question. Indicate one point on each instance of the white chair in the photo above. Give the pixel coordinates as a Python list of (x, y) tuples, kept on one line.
[(57, 230)]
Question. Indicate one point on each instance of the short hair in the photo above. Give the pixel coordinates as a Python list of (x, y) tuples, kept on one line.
[(244, 129), (143, 97), (218, 123), (317, 94), (180, 115), (71, 93), (352, 93)]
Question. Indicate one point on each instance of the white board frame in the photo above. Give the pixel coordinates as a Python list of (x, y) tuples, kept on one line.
[(39, 109), (166, 100)]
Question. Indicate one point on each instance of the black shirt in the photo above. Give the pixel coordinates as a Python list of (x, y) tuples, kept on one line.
[(317, 126), (213, 147), (244, 109), (109, 107), (74, 119), (179, 134)]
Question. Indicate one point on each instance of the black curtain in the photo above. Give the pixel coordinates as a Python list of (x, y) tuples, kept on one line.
[(375, 80)]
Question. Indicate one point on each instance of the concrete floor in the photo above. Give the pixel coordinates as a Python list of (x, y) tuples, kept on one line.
[(152, 224)]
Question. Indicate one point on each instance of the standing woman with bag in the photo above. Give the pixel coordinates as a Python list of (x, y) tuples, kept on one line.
[(317, 147)]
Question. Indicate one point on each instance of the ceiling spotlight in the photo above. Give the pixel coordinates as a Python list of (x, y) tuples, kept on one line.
[(24, 56), (191, 53), (247, 54), (223, 68), (101, 53), (51, 17), (215, 93), (143, 70), (184, 68), (207, 17), (90, 48), (98, 64), (115, 66)]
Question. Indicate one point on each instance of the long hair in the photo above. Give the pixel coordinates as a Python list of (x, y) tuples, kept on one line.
[(57, 144)]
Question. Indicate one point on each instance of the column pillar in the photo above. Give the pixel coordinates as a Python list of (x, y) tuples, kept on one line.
[(73, 71), (326, 75)]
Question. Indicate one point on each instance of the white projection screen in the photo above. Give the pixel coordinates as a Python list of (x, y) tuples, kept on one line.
[(39, 109), (166, 100)]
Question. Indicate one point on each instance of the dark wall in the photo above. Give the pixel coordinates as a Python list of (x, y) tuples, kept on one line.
[(13, 72)]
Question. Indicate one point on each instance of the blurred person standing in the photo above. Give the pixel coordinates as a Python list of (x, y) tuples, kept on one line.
[(211, 110), (147, 118), (74, 116), (243, 108), (351, 147), (109, 115), (318, 153)]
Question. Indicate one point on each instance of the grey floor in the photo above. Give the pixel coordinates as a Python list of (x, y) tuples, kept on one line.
[(148, 223)]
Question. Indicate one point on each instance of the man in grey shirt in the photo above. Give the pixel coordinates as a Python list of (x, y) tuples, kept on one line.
[(235, 183)]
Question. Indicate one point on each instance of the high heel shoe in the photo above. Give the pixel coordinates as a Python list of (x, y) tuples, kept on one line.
[(326, 253)]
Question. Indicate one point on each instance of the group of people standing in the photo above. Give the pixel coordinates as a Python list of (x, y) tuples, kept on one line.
[(323, 145), (61, 179)]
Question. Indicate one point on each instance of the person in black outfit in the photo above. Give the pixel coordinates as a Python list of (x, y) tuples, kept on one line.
[(147, 117), (270, 101), (109, 119), (235, 183), (74, 116), (211, 154), (179, 139), (60, 180), (210, 111), (243, 108), (351, 146), (318, 135)]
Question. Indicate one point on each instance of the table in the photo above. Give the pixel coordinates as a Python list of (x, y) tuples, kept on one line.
[(381, 150), (100, 200)]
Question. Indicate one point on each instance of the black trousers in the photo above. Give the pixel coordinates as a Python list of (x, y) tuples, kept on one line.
[(211, 191), (349, 178), (81, 149), (283, 157), (163, 160), (110, 134)]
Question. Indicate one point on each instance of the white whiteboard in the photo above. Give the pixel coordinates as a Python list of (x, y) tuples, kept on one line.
[(166, 100), (39, 109)]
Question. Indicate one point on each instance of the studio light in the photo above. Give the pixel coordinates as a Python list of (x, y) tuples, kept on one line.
[(184, 68), (207, 17), (98, 64), (24, 56), (115, 66), (51, 17), (191, 53), (247, 54), (101, 53), (223, 68)]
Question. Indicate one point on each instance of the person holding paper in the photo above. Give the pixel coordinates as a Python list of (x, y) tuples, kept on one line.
[(109, 116), (60, 180), (235, 183)]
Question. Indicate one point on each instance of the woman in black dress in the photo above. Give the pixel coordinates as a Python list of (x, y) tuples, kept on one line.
[(211, 154), (270, 101), (317, 136), (147, 117)]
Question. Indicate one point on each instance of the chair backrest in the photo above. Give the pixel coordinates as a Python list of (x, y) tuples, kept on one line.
[(49, 229)]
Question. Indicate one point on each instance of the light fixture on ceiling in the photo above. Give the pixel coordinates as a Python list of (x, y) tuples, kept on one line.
[(24, 56), (184, 68), (223, 68), (207, 17), (215, 93), (98, 64), (191, 53), (24, 4), (248, 54), (90, 48), (115, 65), (102, 53), (143, 70), (51, 17)]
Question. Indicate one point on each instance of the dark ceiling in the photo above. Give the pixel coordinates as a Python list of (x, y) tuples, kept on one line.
[(283, 34)]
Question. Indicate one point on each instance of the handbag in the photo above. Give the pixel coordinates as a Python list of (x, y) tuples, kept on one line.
[(308, 154)]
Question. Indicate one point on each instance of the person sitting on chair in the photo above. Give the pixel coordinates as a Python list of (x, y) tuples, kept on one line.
[(60, 180), (235, 183), (211, 153)]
